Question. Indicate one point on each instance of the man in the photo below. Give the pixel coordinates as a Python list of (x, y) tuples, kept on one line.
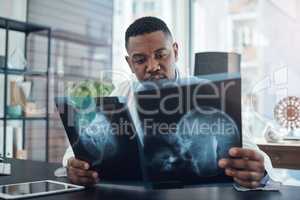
[(152, 55)]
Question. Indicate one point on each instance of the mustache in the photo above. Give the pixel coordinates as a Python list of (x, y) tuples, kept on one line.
[(154, 76)]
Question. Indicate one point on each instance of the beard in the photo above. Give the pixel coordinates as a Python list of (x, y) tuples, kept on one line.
[(155, 76)]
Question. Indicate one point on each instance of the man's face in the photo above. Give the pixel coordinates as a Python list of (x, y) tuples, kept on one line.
[(152, 56)]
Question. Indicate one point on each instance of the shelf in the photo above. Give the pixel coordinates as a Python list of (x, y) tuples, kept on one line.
[(8, 26), (74, 76), (21, 72), (21, 26), (24, 118)]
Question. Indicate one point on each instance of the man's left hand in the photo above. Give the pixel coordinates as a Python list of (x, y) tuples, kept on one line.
[(246, 166)]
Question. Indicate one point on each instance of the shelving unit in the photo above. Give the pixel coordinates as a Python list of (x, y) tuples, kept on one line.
[(27, 29)]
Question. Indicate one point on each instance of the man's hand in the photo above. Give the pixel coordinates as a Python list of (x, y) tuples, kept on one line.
[(79, 173), (246, 167)]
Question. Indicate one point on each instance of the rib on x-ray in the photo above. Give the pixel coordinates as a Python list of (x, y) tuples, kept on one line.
[(97, 136), (203, 136)]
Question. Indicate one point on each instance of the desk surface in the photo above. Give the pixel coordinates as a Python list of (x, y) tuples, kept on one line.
[(32, 171), (284, 154), (284, 143)]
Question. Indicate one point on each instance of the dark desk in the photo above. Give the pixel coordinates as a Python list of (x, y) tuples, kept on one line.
[(33, 171), (283, 155)]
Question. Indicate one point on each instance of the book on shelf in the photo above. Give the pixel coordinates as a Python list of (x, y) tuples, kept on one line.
[(17, 142), (17, 96), (13, 144), (9, 142)]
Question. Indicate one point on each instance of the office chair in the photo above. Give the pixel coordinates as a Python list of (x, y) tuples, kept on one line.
[(216, 62)]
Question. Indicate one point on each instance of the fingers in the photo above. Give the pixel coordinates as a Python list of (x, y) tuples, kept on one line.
[(83, 173), (78, 163), (78, 173), (82, 180), (246, 167), (74, 173), (242, 164), (248, 184), (246, 154), (245, 175)]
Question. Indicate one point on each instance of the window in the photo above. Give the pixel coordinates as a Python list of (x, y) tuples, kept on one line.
[(265, 34), (173, 12)]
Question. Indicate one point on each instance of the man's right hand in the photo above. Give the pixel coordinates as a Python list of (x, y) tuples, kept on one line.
[(79, 173)]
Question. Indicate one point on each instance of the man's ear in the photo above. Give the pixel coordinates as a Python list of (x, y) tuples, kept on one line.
[(129, 64), (175, 49)]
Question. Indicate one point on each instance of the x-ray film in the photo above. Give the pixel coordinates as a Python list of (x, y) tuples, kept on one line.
[(100, 132), (173, 135), (188, 126)]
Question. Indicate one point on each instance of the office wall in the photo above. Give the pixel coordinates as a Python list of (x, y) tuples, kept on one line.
[(14, 9), (81, 49)]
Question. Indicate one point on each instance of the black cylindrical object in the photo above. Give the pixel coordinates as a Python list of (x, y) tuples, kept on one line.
[(216, 62)]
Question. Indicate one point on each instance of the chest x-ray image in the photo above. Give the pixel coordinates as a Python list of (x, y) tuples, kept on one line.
[(189, 128), (97, 136), (93, 129), (100, 132)]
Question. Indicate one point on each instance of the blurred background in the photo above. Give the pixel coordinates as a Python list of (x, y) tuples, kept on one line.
[(87, 43)]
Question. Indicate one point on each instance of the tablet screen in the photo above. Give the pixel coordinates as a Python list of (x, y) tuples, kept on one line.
[(32, 188)]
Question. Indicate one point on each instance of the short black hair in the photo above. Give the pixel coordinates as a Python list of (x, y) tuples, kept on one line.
[(146, 25)]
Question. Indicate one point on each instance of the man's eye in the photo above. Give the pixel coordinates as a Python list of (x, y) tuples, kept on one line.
[(141, 61), (161, 56)]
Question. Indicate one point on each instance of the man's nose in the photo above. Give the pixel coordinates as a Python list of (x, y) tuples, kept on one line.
[(152, 65)]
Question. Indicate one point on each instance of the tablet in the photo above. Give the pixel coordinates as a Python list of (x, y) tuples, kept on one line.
[(37, 188)]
